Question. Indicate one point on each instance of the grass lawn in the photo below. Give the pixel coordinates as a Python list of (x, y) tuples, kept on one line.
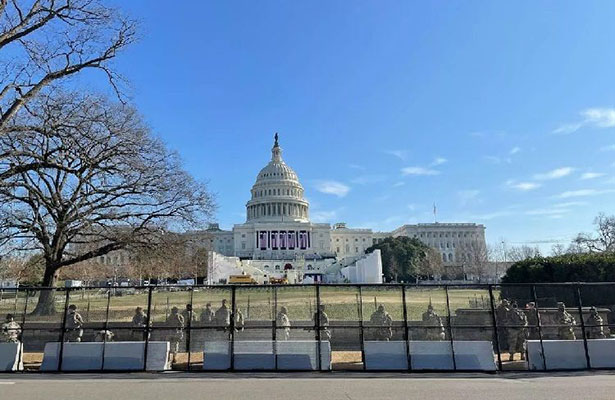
[(256, 303)]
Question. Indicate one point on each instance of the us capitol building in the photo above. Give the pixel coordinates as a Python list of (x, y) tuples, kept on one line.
[(278, 236)]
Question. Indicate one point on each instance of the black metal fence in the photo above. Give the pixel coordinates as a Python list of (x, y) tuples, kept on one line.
[(546, 323)]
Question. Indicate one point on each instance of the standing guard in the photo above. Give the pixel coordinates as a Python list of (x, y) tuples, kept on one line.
[(434, 329), (383, 321), (566, 322), (593, 325)]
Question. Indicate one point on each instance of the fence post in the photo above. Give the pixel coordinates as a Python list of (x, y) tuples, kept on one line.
[(232, 327), (23, 324), (189, 330), (406, 338), (539, 321), (317, 327), (494, 320), (106, 327), (450, 328), (148, 324), (580, 305), (361, 332), (61, 355), (274, 326)]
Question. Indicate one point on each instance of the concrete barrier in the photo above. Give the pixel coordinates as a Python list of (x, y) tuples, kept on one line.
[(303, 355), (601, 353), (380, 355), (266, 355), (570, 354), (11, 357), (431, 355), (473, 355), (558, 354), (94, 356)]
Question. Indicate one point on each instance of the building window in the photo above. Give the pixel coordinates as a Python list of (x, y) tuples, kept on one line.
[(266, 266), (443, 257), (243, 245), (309, 267), (356, 249), (338, 249), (277, 267), (450, 257)]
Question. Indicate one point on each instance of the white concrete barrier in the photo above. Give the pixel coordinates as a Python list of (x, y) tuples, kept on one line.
[(217, 355), (570, 354), (380, 355), (431, 355), (263, 355), (601, 353), (303, 355), (88, 356), (11, 357), (473, 355)]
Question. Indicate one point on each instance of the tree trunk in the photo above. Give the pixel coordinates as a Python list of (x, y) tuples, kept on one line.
[(46, 298)]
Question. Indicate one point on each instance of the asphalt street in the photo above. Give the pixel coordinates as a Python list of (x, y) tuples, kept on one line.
[(180, 386)]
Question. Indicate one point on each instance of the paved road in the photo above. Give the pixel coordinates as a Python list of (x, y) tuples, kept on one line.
[(594, 386)]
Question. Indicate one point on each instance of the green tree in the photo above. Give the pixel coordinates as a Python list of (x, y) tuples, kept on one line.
[(574, 267), (406, 259)]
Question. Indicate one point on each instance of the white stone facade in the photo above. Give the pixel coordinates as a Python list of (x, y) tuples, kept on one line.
[(278, 227)]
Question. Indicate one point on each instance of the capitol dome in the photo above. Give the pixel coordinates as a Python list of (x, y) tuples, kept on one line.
[(277, 194)]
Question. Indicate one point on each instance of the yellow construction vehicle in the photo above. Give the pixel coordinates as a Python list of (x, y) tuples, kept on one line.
[(278, 281), (241, 280)]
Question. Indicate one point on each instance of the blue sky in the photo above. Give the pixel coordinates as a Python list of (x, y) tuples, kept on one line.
[(502, 113)]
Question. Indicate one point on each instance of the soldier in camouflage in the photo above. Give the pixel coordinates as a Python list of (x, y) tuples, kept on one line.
[(517, 332), (593, 325), (10, 330), (434, 330), (566, 322), (383, 323)]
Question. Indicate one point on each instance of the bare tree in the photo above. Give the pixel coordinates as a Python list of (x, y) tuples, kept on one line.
[(475, 257), (558, 249), (603, 240), (520, 253), (43, 42), (107, 184), (429, 265)]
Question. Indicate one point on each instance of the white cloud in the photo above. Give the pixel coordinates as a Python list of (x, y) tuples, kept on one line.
[(332, 187), (498, 160), (467, 197), (492, 215), (514, 150), (438, 161), (567, 128), (548, 211), (592, 175), (593, 117), (608, 148), (401, 154), (323, 216), (419, 171), (600, 117), (398, 184), (411, 206), (583, 193), (554, 174), (368, 179), (356, 166), (523, 186), (570, 204)]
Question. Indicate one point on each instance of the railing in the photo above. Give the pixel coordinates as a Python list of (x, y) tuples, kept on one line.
[(337, 326)]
